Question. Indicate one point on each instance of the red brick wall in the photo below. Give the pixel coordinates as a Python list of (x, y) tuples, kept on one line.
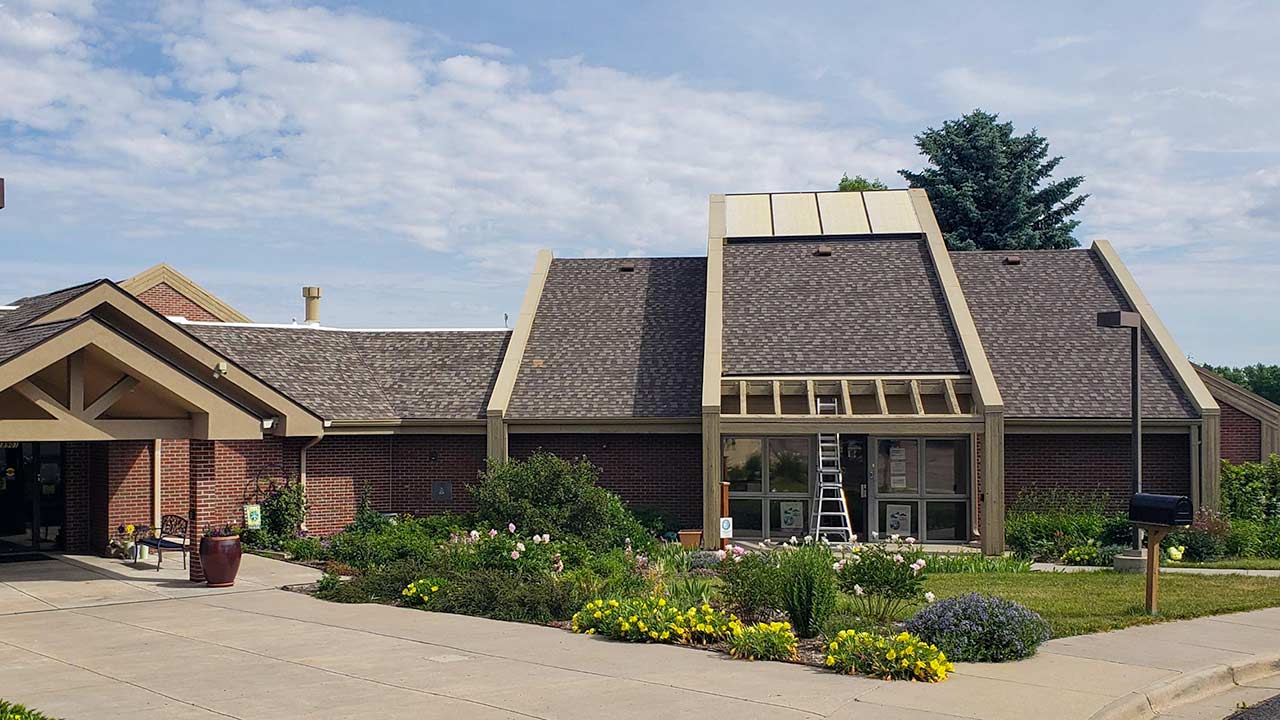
[(175, 469), (1095, 465), (657, 470), (338, 470), (76, 475), (418, 460), (1241, 435), (165, 300), (128, 484)]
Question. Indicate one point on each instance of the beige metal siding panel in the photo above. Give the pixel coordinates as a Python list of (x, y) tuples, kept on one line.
[(795, 214), (891, 212), (843, 213), (748, 216)]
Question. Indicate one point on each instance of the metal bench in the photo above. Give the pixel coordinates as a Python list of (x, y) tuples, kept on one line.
[(172, 537)]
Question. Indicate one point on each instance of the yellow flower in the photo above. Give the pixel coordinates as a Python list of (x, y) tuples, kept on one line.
[(128, 529), (662, 602), (435, 588), (830, 660)]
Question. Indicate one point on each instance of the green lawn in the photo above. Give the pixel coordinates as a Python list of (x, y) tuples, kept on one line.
[(1080, 603), (1234, 563)]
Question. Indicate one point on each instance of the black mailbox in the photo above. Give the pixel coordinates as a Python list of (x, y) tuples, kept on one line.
[(1167, 510)]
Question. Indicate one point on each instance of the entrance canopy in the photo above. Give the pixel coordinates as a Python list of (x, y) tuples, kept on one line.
[(92, 363)]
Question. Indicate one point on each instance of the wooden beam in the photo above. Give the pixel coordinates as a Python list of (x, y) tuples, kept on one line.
[(742, 397), (777, 397), (75, 382), (844, 395), (916, 401), (43, 400), (953, 403), (813, 402), (880, 401), (123, 386)]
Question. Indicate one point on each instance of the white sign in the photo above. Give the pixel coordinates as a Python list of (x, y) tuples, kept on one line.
[(897, 519), (792, 512), (726, 528)]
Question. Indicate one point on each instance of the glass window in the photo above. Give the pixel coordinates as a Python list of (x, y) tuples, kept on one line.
[(946, 521), (946, 467), (788, 517), (897, 467), (899, 518), (748, 516), (742, 464), (789, 465)]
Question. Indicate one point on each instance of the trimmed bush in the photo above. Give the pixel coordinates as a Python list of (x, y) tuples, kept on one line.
[(979, 628), (897, 657), (1251, 491), (547, 494), (764, 641), (807, 585)]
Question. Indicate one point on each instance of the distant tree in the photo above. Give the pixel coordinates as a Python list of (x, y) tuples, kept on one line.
[(857, 183), (990, 189), (1261, 379)]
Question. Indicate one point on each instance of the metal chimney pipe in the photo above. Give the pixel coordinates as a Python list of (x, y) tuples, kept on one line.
[(311, 294)]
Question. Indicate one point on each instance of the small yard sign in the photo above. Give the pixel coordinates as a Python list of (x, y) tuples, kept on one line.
[(253, 517), (726, 528)]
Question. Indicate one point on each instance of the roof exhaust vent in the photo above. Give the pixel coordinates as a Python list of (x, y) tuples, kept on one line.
[(627, 266), (1012, 259), (822, 251), (311, 294)]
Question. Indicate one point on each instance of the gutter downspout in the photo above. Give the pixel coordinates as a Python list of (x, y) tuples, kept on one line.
[(302, 470), (156, 473)]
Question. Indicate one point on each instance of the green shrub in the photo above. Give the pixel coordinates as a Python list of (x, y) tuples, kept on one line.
[(897, 657), (1043, 525), (1089, 554), (652, 618), (367, 544), (807, 585), (492, 593), (750, 584), (689, 590), (883, 580), (764, 641), (284, 508), (307, 549), (383, 583), (1205, 540), (1251, 491), (1269, 547), (658, 522), (548, 494), (978, 628), (328, 584), (1244, 538), (13, 711)]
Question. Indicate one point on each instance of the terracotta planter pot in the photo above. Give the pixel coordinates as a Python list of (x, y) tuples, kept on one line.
[(690, 539), (220, 558)]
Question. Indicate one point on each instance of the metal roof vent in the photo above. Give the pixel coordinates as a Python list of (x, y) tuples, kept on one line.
[(822, 251), (1012, 259), (627, 266)]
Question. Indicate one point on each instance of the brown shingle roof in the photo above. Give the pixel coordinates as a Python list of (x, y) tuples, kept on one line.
[(1038, 323), (872, 306), (369, 375), (16, 335), (607, 343)]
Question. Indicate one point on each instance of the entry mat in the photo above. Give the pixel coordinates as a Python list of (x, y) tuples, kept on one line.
[(22, 557)]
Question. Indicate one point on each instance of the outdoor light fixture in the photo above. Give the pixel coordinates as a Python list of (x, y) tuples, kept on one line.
[(1133, 321)]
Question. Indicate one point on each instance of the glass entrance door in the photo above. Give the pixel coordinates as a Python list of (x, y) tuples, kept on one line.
[(770, 485), (32, 497)]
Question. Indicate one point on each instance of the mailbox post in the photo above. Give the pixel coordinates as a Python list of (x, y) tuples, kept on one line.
[(1157, 515)]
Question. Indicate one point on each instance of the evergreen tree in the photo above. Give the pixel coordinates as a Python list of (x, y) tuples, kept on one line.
[(991, 189)]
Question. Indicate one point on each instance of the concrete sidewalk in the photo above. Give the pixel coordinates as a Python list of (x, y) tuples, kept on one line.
[(268, 653)]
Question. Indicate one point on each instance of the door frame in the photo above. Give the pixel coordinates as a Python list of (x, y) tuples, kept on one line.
[(921, 497)]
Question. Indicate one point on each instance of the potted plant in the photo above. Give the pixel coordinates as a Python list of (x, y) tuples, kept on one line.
[(220, 555), (125, 544)]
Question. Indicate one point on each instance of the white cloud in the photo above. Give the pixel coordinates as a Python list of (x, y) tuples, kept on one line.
[(997, 92)]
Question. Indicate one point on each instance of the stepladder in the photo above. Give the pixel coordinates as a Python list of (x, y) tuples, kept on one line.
[(830, 513)]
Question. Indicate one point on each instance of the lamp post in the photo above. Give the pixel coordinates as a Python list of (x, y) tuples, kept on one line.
[(1133, 321)]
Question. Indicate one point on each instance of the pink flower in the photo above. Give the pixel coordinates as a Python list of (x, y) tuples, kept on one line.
[(899, 559), (929, 597), (546, 537), (857, 590), (475, 535), (511, 527), (911, 541), (537, 539), (493, 533), (515, 554), (720, 554), (918, 565), (520, 546)]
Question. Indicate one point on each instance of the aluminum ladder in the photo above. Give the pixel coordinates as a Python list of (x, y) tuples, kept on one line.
[(830, 515)]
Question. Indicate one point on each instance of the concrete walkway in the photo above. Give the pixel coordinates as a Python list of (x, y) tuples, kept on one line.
[(186, 652)]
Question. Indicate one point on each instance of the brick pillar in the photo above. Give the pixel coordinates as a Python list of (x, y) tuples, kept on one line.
[(75, 478), (201, 477)]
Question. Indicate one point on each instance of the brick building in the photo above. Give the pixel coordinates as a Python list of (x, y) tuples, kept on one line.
[(820, 331)]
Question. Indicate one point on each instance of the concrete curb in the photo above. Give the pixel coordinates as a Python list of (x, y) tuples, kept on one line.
[(1186, 688)]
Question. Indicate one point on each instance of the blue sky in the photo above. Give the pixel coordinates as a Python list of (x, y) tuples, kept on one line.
[(411, 157)]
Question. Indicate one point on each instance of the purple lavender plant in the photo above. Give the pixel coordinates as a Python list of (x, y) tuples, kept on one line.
[(980, 628)]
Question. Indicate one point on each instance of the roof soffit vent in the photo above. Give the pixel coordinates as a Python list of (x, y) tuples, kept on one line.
[(1012, 259), (822, 251), (627, 266)]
